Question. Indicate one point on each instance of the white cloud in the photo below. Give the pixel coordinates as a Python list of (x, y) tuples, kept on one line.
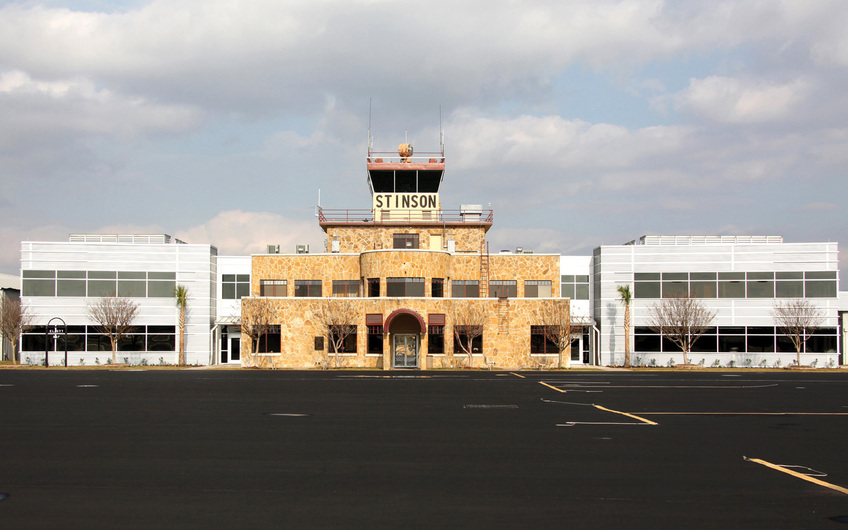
[(734, 100), (237, 232)]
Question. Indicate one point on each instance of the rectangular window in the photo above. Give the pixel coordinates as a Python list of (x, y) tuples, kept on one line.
[(436, 333), (503, 288), (465, 289), (235, 286), (460, 342), (132, 284), (307, 288), (537, 289), (731, 288), (540, 343), (404, 287), (103, 283), (159, 284), (671, 289), (39, 283), (271, 341), (438, 287), (374, 287), (572, 286), (760, 288), (820, 289), (375, 339), (646, 285), (705, 289), (346, 288), (789, 289), (348, 344), (405, 241), (70, 283), (273, 287)]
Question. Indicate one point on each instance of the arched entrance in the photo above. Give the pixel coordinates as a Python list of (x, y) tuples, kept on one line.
[(404, 328)]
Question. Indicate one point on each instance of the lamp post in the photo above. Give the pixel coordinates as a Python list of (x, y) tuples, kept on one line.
[(56, 330)]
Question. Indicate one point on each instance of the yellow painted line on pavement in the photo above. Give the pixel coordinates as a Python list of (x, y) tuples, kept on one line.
[(518, 375), (749, 413), (551, 386), (795, 474), (649, 422)]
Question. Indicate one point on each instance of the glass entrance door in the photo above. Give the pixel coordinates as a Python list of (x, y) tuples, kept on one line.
[(405, 349)]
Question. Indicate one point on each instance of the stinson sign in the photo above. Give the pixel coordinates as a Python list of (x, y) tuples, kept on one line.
[(406, 201)]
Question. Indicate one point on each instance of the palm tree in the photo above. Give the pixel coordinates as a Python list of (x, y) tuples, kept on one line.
[(625, 297), (181, 295)]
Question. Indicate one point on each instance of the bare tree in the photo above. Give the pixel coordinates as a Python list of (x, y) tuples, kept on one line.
[(682, 320), (257, 317), (468, 319), (798, 319), (114, 316), (556, 323), (338, 316), (14, 320)]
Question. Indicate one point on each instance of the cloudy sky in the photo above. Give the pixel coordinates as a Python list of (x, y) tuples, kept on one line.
[(581, 122)]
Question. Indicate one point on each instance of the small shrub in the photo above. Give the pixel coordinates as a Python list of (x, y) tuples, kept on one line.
[(731, 364), (777, 363), (831, 363), (764, 363), (702, 362), (161, 361), (671, 362), (748, 363), (96, 360), (814, 363), (653, 363), (143, 361), (716, 363), (82, 362)]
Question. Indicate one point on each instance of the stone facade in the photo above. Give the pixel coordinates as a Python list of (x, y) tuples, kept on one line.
[(506, 332)]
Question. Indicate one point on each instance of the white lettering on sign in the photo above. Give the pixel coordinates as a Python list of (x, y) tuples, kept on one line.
[(406, 201)]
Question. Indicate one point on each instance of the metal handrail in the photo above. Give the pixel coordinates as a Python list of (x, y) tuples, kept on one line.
[(362, 216)]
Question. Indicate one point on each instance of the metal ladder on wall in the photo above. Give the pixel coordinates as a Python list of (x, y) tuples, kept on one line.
[(484, 270)]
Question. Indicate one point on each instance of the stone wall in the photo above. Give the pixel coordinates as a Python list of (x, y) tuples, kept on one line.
[(506, 335), (355, 239)]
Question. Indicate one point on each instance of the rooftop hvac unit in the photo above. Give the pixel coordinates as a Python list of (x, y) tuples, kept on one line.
[(273, 249), (302, 249)]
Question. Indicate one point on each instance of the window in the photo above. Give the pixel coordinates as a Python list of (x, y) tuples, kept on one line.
[(270, 341), (374, 287), (159, 284), (346, 288), (646, 285), (731, 285), (537, 289), (89, 338), (307, 288), (348, 344), (104, 283), (39, 283), (503, 288), (132, 284), (438, 287), (573, 286), (374, 323), (436, 333), (405, 241), (465, 289), (460, 341), (675, 284), (235, 286), (540, 343), (70, 283), (404, 286), (273, 288), (760, 285)]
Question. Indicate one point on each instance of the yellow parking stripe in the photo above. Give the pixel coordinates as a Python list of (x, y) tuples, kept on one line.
[(551, 386), (649, 422), (795, 474)]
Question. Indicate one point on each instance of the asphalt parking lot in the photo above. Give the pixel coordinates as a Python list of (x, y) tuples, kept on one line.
[(353, 449)]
